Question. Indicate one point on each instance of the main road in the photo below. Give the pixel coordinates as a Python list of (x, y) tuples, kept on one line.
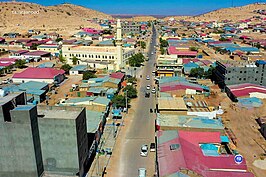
[(141, 130)]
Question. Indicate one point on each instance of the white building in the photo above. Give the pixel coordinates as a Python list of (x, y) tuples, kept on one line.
[(112, 58)]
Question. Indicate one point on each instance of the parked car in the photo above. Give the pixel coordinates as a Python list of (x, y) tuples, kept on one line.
[(153, 91), (152, 147), (144, 150), (148, 87), (142, 172)]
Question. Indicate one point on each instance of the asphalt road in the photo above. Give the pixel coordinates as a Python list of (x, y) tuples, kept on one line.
[(141, 130)]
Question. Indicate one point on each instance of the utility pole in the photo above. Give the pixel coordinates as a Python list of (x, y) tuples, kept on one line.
[(126, 101)]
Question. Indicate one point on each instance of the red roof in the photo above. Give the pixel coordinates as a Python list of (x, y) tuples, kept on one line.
[(117, 75), (8, 60), (39, 73), (21, 51), (245, 89), (187, 60), (190, 156), (6, 64), (173, 50), (37, 53)]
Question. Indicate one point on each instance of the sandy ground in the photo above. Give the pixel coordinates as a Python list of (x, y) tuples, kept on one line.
[(234, 14), (64, 19)]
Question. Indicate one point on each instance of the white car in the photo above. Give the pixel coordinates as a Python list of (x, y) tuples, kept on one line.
[(147, 77), (142, 172), (153, 91), (152, 53), (144, 150), (148, 87)]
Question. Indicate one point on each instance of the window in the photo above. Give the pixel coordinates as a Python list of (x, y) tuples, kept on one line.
[(245, 71), (228, 79), (240, 79), (244, 79), (257, 71), (174, 147), (256, 79), (240, 71)]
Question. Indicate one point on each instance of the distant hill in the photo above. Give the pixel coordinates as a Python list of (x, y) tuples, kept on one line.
[(234, 14), (65, 18)]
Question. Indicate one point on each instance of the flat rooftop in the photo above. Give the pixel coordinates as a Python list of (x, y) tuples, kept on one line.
[(171, 103), (8, 97), (169, 120), (59, 112)]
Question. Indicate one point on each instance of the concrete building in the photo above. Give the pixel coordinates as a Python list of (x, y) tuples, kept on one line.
[(63, 136), (48, 141), (20, 150), (130, 27), (239, 72), (111, 58)]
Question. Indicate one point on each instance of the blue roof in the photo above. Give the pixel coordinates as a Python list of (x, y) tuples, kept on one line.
[(225, 139), (97, 89), (107, 42), (35, 92), (24, 107), (171, 79), (261, 62), (79, 68), (46, 65), (209, 149), (191, 65), (102, 100), (33, 85), (93, 119)]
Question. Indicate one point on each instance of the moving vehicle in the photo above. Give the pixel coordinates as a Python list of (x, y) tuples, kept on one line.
[(147, 95), (148, 87), (152, 53), (147, 77), (142, 172), (153, 91), (144, 150), (152, 147)]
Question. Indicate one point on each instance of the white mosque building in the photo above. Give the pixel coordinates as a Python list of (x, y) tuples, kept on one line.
[(111, 58)]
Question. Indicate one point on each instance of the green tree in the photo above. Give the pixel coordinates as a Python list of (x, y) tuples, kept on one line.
[(34, 46), (87, 75), (58, 39), (143, 45), (62, 59), (193, 48), (208, 74), (20, 64), (197, 72), (136, 60), (75, 60), (66, 67), (114, 43), (131, 91), (149, 24), (162, 50), (119, 101), (222, 39), (132, 80), (163, 43)]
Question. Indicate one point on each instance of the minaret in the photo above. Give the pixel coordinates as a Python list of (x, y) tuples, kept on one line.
[(119, 62)]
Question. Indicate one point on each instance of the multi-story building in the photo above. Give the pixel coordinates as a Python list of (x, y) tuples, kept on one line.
[(20, 149), (111, 58), (130, 27), (168, 65), (36, 141), (97, 57), (238, 72), (64, 142)]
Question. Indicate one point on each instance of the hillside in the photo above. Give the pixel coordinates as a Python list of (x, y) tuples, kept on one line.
[(65, 18), (234, 14)]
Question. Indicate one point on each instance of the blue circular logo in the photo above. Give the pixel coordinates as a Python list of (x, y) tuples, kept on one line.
[(238, 159)]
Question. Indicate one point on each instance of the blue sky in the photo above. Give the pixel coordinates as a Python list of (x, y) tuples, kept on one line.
[(152, 7)]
